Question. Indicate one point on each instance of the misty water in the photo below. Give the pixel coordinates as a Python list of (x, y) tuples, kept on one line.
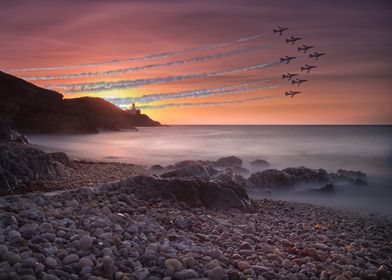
[(364, 148)]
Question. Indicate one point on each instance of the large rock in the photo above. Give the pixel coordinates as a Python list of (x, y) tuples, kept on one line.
[(288, 178), (196, 192), (20, 165), (349, 176), (272, 179), (229, 161), (307, 175), (190, 168), (259, 164), (8, 134)]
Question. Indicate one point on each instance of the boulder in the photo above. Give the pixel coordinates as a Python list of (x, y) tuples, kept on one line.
[(20, 165), (229, 161), (239, 170), (210, 194), (287, 178), (157, 168), (271, 179), (8, 134), (259, 164), (190, 168), (307, 175), (349, 176)]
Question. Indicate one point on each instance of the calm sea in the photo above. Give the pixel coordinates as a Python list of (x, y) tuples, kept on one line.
[(365, 148)]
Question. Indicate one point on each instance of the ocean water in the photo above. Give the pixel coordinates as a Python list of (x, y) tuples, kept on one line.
[(365, 148)]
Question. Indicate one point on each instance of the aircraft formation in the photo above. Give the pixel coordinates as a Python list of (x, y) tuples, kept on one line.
[(293, 77)]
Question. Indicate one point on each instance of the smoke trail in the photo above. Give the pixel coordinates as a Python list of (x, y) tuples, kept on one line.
[(205, 104), (241, 88), (145, 67), (103, 86), (140, 59)]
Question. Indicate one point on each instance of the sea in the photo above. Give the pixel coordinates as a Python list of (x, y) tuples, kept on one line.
[(364, 148)]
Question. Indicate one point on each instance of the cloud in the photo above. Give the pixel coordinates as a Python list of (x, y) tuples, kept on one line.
[(204, 104), (146, 67), (236, 89), (103, 86), (142, 59)]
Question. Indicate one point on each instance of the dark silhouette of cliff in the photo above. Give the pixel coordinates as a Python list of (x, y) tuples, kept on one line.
[(32, 109)]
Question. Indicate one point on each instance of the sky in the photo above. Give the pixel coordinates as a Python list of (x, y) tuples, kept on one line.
[(208, 62)]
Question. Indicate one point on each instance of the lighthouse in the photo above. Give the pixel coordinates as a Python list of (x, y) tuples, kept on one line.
[(134, 111)]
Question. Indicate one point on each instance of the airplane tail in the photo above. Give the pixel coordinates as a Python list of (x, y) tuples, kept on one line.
[(302, 69), (284, 77)]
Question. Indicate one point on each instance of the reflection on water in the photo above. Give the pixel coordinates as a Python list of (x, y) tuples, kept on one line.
[(365, 148)]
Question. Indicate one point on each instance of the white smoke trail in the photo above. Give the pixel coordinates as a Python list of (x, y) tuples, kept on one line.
[(205, 104), (104, 86), (241, 88), (145, 67), (140, 59)]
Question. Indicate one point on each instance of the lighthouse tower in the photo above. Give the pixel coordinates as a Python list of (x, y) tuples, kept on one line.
[(134, 111)]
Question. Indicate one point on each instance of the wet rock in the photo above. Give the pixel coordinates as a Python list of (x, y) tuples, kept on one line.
[(229, 161), (157, 169), (190, 169), (259, 164), (239, 170), (349, 176)]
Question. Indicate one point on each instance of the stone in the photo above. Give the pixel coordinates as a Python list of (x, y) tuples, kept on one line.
[(229, 161), (50, 262), (173, 265), (243, 265), (28, 230), (45, 227), (215, 254), (140, 274), (185, 274), (85, 242), (71, 259), (287, 264), (259, 164), (217, 273), (85, 262), (189, 262)]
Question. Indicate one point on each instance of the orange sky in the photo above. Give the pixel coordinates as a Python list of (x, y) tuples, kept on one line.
[(351, 84)]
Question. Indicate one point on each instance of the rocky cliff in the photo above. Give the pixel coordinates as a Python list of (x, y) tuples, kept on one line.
[(31, 109)]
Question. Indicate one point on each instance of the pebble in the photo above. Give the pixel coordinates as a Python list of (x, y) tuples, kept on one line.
[(243, 265), (86, 242), (217, 273), (86, 262), (45, 228), (50, 262), (71, 259), (173, 265)]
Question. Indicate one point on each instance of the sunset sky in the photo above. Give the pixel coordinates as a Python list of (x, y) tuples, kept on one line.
[(352, 84)]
